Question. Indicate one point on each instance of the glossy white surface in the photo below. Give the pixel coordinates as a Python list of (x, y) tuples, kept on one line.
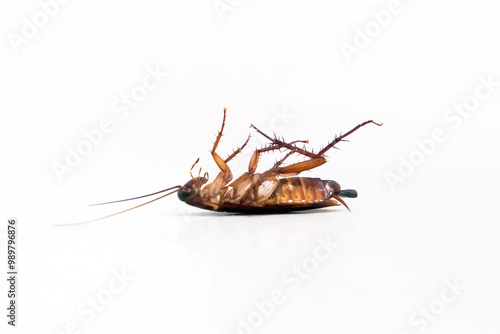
[(417, 254)]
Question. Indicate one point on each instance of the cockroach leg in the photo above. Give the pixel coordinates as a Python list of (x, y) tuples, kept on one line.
[(279, 162), (317, 159), (291, 146), (218, 160), (299, 167), (254, 160), (275, 145), (237, 151), (341, 137), (191, 170), (262, 133), (225, 176)]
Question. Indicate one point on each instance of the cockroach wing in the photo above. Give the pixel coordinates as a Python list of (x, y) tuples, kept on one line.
[(266, 189)]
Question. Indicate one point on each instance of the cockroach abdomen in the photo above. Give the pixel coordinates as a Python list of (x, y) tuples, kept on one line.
[(331, 188)]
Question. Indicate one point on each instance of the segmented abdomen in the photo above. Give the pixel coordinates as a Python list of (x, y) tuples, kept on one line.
[(301, 190)]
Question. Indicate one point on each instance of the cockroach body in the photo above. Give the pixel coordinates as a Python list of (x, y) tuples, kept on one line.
[(272, 195), (276, 190)]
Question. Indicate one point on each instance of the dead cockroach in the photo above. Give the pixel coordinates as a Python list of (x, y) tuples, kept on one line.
[(275, 190)]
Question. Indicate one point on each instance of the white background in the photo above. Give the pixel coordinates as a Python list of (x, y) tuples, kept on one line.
[(279, 65)]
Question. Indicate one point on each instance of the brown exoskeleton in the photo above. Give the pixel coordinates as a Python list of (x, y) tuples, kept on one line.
[(276, 190)]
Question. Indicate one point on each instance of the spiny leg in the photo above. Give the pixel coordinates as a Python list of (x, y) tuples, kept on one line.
[(280, 162), (316, 160), (218, 160), (324, 150), (237, 151), (295, 168), (277, 144), (290, 146), (341, 137), (254, 160)]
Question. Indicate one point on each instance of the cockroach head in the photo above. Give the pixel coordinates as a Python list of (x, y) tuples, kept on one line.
[(192, 187)]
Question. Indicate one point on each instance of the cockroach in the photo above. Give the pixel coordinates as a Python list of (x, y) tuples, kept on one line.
[(276, 190)]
